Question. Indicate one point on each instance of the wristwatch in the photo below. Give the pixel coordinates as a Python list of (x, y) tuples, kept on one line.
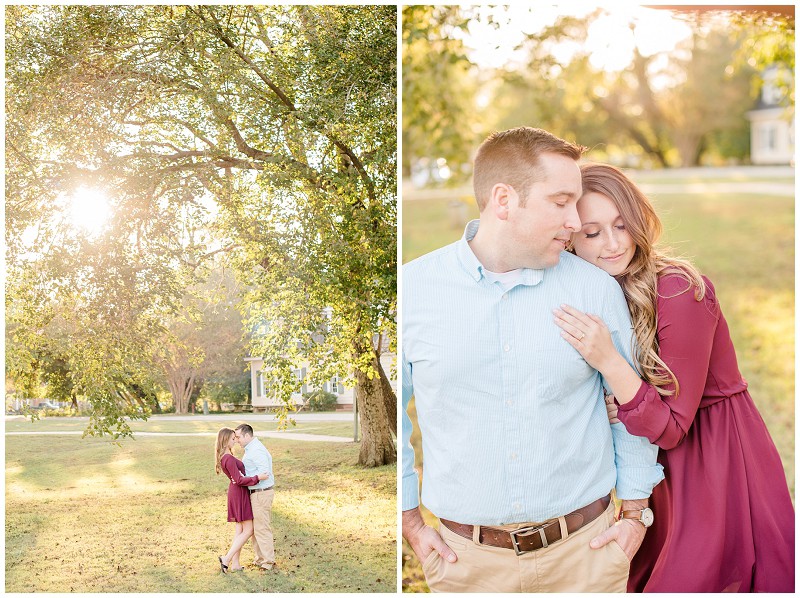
[(643, 516)]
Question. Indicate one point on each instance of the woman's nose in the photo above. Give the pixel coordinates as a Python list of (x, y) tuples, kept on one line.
[(612, 243)]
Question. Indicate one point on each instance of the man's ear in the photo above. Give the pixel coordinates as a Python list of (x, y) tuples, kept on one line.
[(500, 198)]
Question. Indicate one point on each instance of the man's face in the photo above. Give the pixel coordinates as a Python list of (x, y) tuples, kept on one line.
[(536, 234), (241, 438)]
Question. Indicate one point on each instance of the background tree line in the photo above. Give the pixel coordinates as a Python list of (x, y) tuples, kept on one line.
[(450, 103)]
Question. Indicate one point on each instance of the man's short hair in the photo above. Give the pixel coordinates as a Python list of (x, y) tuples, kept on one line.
[(512, 157), (245, 429)]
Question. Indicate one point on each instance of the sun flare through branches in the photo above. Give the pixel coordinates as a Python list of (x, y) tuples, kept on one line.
[(88, 209)]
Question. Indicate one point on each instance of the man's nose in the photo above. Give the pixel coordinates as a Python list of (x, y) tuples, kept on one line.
[(573, 221)]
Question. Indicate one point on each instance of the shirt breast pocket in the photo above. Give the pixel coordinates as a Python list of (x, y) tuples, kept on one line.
[(453, 373), (562, 374)]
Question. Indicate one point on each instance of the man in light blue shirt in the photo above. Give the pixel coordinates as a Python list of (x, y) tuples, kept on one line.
[(519, 456), (258, 460)]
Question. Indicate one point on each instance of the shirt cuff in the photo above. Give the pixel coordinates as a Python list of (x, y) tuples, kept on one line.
[(410, 498), (636, 483), (638, 471)]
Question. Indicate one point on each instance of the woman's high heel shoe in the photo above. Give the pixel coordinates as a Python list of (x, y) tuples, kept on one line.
[(223, 567)]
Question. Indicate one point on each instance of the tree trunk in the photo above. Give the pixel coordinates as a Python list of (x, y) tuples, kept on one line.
[(690, 148), (377, 447), (139, 399), (180, 387), (389, 397)]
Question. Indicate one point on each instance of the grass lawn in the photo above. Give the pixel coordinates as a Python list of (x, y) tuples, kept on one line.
[(743, 242), (65, 424), (86, 515)]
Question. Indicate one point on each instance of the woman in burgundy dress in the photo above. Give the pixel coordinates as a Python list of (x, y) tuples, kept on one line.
[(724, 520), (239, 509)]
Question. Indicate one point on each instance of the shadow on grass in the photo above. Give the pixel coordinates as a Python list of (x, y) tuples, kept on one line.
[(310, 558), (150, 516), (22, 530)]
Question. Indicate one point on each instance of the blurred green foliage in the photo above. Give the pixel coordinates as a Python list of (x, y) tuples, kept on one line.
[(684, 107)]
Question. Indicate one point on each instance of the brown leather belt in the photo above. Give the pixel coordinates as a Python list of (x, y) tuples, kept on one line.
[(532, 538), (261, 489)]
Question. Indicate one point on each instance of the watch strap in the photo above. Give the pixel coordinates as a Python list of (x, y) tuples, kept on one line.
[(632, 514), (637, 515)]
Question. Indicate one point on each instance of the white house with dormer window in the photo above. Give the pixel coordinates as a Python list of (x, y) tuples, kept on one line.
[(263, 400), (772, 122)]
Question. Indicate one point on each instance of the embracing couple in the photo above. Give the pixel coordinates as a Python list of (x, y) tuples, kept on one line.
[(250, 495), (555, 353)]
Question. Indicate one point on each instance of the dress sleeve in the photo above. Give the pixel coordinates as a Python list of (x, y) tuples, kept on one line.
[(685, 329), (230, 467)]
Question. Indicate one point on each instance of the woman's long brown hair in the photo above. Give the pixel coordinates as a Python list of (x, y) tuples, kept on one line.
[(223, 437), (639, 279)]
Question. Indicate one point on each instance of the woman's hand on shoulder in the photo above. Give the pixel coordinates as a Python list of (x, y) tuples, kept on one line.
[(587, 333)]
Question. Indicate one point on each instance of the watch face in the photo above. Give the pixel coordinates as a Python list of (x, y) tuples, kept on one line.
[(647, 517)]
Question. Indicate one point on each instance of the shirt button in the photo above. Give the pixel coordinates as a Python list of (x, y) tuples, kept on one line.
[(506, 348), (505, 296), (517, 506), (514, 456), (509, 402)]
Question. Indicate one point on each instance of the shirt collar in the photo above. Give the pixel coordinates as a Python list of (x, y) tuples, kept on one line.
[(475, 269)]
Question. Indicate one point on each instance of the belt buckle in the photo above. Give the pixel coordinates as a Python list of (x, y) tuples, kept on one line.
[(528, 531)]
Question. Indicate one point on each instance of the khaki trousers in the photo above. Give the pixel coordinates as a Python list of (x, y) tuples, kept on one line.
[(263, 542), (568, 565)]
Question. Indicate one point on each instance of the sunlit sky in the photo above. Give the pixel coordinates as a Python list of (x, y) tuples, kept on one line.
[(610, 42)]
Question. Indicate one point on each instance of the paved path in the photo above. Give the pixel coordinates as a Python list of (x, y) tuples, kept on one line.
[(281, 435), (759, 181), (756, 188), (199, 417), (332, 416)]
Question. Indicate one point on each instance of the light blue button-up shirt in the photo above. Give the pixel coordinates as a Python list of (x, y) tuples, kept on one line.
[(513, 422), (258, 460)]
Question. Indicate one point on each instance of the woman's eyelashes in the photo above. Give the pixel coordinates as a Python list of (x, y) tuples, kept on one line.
[(596, 234)]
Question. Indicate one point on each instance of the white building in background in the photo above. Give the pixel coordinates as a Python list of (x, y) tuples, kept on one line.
[(262, 400), (772, 124)]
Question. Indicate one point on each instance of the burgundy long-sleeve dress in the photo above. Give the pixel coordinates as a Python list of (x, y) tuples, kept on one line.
[(239, 508), (724, 519)]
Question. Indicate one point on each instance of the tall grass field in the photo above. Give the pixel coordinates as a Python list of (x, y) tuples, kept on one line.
[(150, 514), (744, 242)]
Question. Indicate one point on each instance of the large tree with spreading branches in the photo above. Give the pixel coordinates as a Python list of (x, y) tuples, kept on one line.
[(267, 133)]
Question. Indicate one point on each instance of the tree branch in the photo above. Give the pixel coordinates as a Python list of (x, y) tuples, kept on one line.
[(342, 147)]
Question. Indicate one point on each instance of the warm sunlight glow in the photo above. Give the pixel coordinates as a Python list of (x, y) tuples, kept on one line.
[(89, 209), (612, 38), (495, 37), (610, 42)]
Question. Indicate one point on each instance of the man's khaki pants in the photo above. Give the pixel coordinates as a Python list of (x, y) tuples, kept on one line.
[(263, 543), (568, 565)]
